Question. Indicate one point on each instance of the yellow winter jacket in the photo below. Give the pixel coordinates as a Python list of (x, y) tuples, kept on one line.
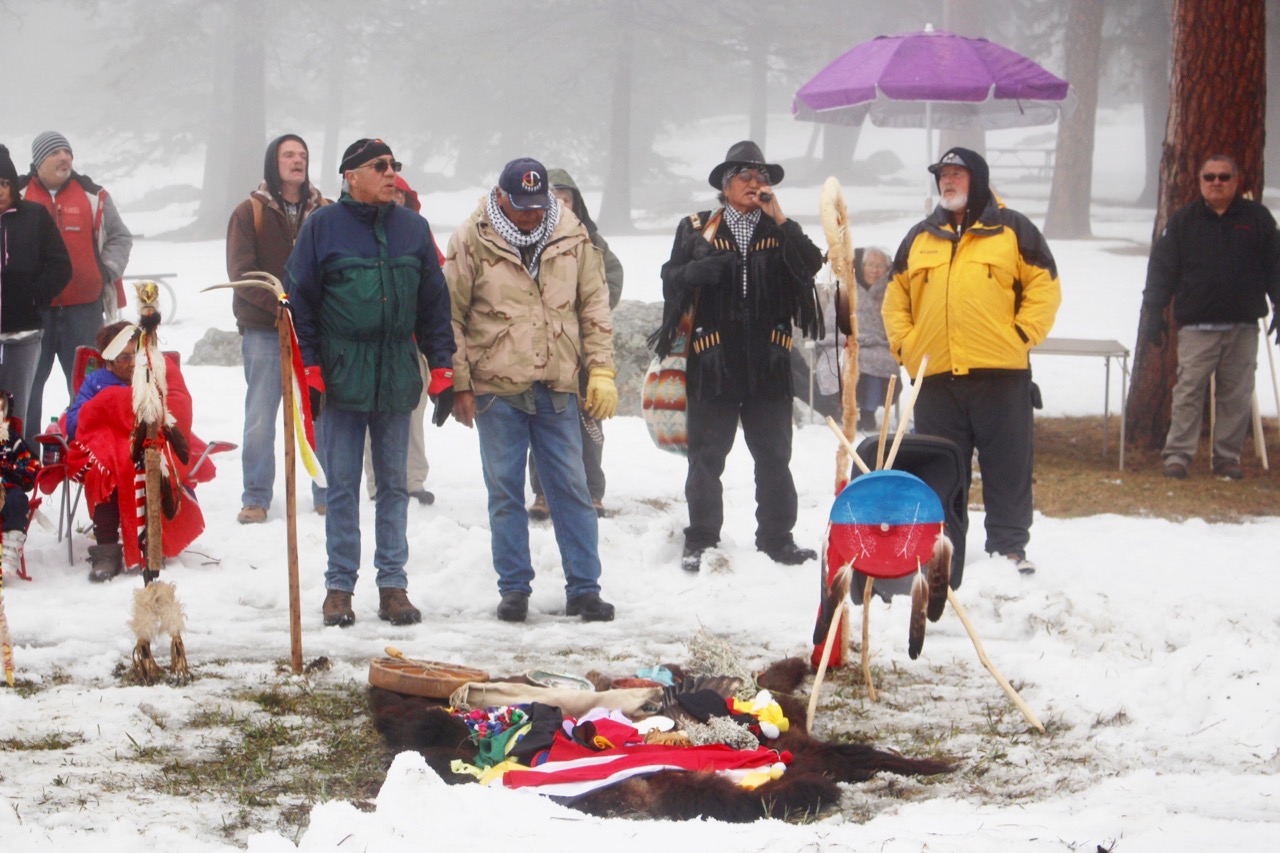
[(979, 301)]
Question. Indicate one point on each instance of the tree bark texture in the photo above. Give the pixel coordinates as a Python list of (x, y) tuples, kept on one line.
[(1069, 195), (1217, 105)]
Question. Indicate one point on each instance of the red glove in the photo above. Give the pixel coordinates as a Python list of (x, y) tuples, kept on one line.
[(315, 385), (441, 391), (441, 378)]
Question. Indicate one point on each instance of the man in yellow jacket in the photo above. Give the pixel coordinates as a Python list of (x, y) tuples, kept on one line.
[(974, 288)]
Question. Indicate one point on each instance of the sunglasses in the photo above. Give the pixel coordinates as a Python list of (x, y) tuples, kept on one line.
[(749, 175), (381, 166), (1210, 177)]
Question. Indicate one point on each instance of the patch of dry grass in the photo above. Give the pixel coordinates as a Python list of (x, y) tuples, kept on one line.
[(1073, 479)]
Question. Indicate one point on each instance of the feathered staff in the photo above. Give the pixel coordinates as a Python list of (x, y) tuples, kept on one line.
[(297, 418), (157, 443)]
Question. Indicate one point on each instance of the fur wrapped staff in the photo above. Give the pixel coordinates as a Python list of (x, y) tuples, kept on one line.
[(157, 443), (6, 641), (835, 226), (297, 419)]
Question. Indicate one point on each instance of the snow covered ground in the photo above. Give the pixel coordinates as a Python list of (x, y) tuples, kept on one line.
[(1154, 671)]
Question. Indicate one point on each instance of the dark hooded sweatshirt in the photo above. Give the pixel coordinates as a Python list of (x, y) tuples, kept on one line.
[(260, 237)]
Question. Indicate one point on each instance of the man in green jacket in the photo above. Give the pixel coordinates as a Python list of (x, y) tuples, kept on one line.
[(367, 293)]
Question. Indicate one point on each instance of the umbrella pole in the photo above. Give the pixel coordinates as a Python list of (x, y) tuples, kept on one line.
[(928, 154)]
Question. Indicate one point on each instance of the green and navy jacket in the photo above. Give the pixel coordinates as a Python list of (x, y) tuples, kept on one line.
[(365, 284)]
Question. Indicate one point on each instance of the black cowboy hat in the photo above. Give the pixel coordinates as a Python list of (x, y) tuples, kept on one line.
[(745, 153)]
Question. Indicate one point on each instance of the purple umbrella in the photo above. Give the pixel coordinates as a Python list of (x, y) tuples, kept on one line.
[(933, 79)]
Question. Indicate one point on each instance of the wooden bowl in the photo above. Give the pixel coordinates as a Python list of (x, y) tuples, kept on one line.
[(429, 678)]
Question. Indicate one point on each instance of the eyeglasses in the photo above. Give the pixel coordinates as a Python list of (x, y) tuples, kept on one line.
[(749, 175), (1210, 177), (381, 166)]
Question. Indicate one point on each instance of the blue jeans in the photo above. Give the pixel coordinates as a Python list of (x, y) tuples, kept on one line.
[(64, 330), (506, 436), (343, 458), (261, 351)]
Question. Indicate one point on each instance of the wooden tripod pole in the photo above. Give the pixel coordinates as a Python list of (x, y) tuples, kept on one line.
[(290, 489), (866, 639), (826, 659), (991, 667)]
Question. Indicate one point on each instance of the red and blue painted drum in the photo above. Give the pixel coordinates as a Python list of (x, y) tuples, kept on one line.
[(885, 523)]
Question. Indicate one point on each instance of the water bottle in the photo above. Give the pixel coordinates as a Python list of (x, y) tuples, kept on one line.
[(51, 453)]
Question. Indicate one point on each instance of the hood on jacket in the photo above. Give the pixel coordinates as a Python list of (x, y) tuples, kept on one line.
[(979, 179), (271, 167), (411, 200), (560, 180)]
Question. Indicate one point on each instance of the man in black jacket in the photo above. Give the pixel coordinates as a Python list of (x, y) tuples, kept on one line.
[(1219, 260), (748, 272)]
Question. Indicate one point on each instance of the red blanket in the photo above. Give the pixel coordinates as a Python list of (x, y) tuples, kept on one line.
[(101, 454)]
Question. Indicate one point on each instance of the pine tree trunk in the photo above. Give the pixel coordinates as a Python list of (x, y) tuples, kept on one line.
[(615, 202), (1072, 188), (1217, 106)]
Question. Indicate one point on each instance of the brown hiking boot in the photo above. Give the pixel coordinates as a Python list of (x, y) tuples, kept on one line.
[(106, 561), (252, 515), (337, 608), (539, 511), (394, 607)]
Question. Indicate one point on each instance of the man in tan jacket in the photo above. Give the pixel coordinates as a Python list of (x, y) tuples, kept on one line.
[(531, 309)]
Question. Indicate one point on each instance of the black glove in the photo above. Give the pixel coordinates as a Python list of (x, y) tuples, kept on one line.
[(710, 270), (1275, 325), (1153, 328), (444, 405)]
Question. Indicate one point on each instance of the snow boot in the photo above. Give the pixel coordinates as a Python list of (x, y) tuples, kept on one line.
[(394, 607), (11, 558), (337, 608), (106, 561)]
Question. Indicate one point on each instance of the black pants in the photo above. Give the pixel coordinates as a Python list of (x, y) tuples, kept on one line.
[(992, 414), (106, 521), (16, 507), (766, 426)]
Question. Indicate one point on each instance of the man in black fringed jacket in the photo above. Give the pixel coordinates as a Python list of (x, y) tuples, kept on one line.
[(747, 270)]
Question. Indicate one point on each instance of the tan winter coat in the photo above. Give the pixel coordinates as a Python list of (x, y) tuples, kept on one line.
[(512, 331)]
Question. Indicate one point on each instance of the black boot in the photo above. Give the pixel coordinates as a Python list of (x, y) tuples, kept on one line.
[(106, 561)]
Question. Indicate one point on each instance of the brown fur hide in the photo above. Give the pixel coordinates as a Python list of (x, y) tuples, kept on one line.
[(808, 786)]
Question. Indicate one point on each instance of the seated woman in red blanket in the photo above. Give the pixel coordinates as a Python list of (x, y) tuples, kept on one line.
[(99, 427)]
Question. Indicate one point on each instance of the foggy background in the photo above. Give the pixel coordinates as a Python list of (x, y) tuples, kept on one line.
[(458, 88)]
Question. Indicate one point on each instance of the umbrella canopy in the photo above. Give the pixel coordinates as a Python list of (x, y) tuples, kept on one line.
[(933, 79)]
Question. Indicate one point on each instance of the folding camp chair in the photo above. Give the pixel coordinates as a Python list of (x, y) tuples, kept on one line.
[(939, 463), (51, 477)]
